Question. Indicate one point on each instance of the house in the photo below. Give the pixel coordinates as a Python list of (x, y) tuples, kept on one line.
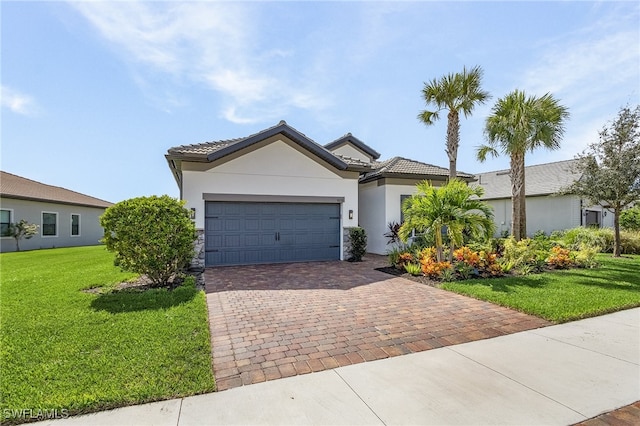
[(278, 196), (65, 218), (546, 211)]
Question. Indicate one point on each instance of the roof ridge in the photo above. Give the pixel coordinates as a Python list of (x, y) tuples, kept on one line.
[(529, 166)]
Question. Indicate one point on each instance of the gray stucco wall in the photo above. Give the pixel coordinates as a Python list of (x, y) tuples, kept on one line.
[(31, 211)]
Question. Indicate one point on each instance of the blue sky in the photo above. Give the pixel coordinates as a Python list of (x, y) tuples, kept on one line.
[(94, 93)]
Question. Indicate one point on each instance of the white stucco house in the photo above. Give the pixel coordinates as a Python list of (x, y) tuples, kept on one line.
[(65, 218), (546, 211), (278, 196)]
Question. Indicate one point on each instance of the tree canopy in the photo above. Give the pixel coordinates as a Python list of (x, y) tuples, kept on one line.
[(519, 123), (454, 206), (610, 168), (456, 92)]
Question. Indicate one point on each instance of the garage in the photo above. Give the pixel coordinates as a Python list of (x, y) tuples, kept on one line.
[(242, 233)]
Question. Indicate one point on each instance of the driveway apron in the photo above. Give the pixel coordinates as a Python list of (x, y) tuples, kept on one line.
[(280, 320)]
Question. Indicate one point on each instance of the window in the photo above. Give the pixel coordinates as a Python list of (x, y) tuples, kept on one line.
[(5, 221), (75, 225), (402, 198), (49, 224)]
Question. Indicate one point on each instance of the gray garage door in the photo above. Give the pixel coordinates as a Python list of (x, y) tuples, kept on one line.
[(239, 233)]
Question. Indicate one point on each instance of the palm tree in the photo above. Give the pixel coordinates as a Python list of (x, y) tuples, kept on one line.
[(517, 124), (453, 92), (454, 206)]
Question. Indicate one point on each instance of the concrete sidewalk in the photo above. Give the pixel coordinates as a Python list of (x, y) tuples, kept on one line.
[(558, 375)]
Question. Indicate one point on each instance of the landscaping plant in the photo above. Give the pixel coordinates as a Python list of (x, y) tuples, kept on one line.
[(610, 169), (519, 123), (453, 209), (455, 93), (150, 235), (630, 219), (20, 230), (358, 239)]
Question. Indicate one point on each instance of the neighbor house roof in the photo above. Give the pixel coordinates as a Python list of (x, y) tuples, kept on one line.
[(12, 186), (350, 139), (405, 168), (540, 179)]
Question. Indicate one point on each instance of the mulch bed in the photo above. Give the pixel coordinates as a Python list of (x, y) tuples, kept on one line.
[(419, 279), (142, 283)]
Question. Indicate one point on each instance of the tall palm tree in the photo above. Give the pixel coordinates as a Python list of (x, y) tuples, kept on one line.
[(454, 206), (519, 123), (455, 93)]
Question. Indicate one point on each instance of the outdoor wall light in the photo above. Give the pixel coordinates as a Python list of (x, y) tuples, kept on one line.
[(350, 214), (193, 213)]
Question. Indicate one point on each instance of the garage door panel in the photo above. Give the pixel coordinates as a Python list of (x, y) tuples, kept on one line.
[(287, 223), (214, 224), (232, 224), (252, 224), (239, 233)]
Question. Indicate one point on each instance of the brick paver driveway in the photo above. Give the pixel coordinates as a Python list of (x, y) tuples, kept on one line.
[(273, 321)]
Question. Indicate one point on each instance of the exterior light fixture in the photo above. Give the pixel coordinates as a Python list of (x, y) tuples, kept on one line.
[(350, 214)]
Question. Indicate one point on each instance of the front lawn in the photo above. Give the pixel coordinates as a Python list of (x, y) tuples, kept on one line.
[(63, 348), (563, 295)]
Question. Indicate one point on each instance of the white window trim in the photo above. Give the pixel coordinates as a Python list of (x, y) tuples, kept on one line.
[(71, 225), (42, 225), (11, 220)]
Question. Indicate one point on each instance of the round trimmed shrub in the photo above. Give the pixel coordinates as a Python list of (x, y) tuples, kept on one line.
[(150, 235)]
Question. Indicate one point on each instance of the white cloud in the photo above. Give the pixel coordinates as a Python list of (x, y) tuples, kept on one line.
[(586, 68), (216, 45), (17, 102)]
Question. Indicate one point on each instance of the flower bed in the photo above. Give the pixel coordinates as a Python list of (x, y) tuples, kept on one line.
[(510, 257)]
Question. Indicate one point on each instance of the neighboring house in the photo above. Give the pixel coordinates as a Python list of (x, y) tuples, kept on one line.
[(65, 218), (546, 211), (278, 196)]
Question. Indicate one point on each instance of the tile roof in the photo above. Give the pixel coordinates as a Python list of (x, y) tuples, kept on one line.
[(349, 138), (540, 179), (354, 161), (210, 151), (203, 149), (12, 186), (403, 167)]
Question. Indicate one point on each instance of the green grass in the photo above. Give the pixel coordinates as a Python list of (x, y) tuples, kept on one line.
[(63, 348), (563, 295)]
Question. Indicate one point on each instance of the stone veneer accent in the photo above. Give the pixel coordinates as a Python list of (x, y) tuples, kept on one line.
[(196, 267), (346, 246)]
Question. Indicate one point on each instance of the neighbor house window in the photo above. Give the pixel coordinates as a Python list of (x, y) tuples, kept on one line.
[(75, 225), (49, 224), (5, 221)]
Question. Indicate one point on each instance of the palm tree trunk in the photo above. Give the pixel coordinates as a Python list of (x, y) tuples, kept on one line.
[(518, 212), (523, 204), (438, 236), (453, 140)]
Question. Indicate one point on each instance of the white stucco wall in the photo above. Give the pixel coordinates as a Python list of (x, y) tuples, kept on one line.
[(31, 211), (353, 152), (374, 218), (275, 169), (547, 213)]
